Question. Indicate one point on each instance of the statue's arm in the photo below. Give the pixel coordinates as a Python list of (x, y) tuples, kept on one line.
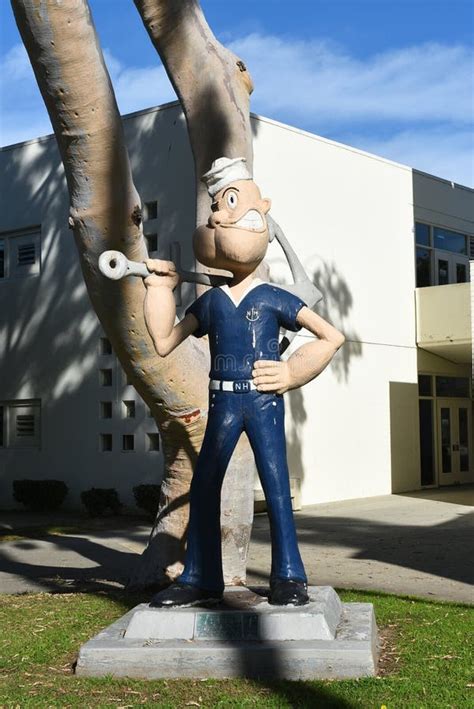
[(306, 362), (310, 359), (160, 308)]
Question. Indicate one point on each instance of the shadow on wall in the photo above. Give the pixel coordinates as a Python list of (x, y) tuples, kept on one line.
[(335, 308), (49, 334)]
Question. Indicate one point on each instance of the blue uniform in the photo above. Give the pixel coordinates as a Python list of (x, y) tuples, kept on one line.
[(239, 335)]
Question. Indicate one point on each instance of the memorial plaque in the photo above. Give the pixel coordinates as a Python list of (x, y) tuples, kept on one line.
[(226, 626)]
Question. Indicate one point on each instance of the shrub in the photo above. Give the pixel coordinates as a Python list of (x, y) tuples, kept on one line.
[(97, 500), (40, 495), (147, 498)]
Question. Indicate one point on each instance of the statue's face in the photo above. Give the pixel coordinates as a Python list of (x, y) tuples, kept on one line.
[(235, 237)]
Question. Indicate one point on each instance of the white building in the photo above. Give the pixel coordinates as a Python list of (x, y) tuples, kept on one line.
[(392, 413)]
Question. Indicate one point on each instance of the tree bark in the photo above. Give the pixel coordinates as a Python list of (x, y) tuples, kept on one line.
[(105, 213)]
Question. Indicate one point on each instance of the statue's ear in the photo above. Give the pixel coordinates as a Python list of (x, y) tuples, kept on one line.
[(266, 204)]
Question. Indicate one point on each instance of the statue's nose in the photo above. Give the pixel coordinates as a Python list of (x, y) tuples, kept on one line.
[(215, 219)]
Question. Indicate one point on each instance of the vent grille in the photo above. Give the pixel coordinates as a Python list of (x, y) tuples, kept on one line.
[(26, 254), (25, 425)]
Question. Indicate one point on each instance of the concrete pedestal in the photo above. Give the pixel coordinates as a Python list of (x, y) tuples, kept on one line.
[(243, 636)]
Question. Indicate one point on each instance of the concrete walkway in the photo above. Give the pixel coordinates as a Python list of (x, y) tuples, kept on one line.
[(420, 544)]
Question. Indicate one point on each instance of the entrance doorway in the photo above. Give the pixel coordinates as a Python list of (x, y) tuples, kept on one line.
[(450, 268), (454, 441), (446, 430)]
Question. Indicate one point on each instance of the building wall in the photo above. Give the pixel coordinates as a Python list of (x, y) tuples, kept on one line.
[(349, 216)]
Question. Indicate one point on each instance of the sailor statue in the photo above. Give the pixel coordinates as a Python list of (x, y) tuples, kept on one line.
[(247, 379)]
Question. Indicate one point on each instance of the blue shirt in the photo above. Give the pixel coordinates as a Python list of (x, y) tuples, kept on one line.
[(241, 333)]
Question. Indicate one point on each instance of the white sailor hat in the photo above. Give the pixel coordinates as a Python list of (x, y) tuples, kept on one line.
[(224, 171)]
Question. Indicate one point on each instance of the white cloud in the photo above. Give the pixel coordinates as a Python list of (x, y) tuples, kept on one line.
[(138, 87), (318, 82)]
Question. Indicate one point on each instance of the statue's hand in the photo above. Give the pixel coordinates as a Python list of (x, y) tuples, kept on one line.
[(162, 273), (270, 376)]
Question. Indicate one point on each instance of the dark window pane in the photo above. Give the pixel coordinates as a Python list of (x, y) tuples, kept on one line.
[(463, 441), (151, 242), (450, 240), (150, 211), (443, 272), (461, 273), (153, 441), (129, 409), (425, 385), (26, 254), (426, 442), (25, 425), (452, 386), (422, 234), (105, 377), (105, 409), (446, 440), (105, 442), (128, 442), (423, 267), (105, 346), (2, 424), (2, 258)]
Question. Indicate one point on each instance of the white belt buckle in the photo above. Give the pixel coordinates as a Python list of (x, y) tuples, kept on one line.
[(240, 386)]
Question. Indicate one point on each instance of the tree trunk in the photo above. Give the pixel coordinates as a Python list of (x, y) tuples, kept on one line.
[(214, 88), (105, 214)]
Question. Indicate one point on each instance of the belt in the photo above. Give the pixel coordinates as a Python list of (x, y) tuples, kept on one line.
[(238, 386)]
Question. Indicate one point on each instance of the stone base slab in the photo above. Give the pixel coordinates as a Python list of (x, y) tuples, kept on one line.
[(243, 637)]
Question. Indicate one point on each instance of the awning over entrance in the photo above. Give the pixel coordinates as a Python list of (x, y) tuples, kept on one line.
[(443, 321)]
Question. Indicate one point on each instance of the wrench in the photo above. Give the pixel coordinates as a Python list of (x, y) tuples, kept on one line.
[(115, 265)]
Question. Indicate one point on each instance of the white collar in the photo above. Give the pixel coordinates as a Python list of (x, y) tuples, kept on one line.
[(255, 282)]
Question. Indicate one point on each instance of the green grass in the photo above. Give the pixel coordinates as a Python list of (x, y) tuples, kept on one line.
[(39, 532), (426, 661)]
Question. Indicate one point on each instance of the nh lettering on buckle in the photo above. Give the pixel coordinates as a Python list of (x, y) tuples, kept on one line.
[(241, 385)]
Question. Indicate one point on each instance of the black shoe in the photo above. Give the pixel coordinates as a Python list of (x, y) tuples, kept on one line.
[(183, 594), (287, 592)]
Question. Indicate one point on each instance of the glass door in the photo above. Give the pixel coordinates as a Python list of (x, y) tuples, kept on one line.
[(454, 441), (450, 268)]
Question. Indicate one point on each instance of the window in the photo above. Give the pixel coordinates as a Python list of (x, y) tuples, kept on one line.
[(449, 240), (150, 211), (427, 442), (2, 426), (441, 256), (425, 387), (423, 267), (128, 442), (21, 425), (422, 234), (105, 348), (129, 409), (151, 242), (153, 440), (105, 441), (105, 409), (20, 254), (127, 379), (452, 386), (105, 377)]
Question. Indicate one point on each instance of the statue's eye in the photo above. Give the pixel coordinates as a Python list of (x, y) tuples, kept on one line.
[(231, 198)]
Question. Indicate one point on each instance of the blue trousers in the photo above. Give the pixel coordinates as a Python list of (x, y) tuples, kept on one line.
[(261, 416)]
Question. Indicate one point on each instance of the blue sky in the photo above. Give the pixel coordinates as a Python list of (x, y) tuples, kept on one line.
[(394, 77)]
